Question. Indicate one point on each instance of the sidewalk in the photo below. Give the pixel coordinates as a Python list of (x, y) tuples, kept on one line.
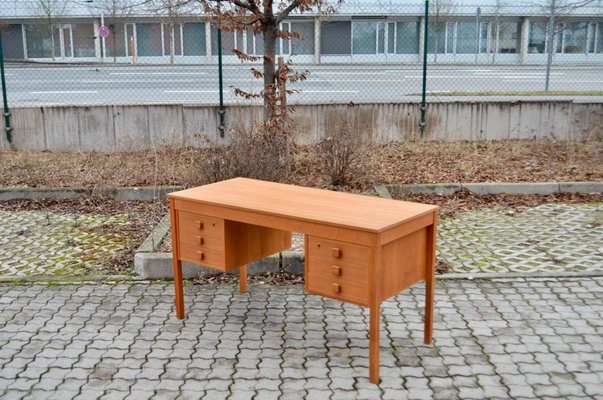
[(522, 338)]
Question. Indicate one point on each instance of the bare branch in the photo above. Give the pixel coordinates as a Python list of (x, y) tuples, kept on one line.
[(285, 13)]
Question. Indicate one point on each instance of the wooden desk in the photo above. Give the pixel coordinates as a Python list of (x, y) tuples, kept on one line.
[(358, 249)]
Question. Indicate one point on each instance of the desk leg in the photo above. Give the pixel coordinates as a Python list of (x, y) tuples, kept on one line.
[(243, 279), (374, 343), (178, 288), (430, 282)]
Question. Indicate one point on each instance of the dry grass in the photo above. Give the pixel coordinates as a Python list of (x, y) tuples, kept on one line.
[(409, 162)]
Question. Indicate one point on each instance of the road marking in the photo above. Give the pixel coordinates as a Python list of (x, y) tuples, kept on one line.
[(157, 73), (193, 91), (357, 80), (442, 76), (327, 91), (68, 92), (555, 81), (518, 73), (349, 73), (137, 81)]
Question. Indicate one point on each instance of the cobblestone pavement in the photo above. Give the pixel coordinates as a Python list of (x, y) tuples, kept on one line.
[(45, 243), (547, 238), (494, 339)]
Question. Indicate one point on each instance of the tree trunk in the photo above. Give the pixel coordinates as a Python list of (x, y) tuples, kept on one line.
[(269, 73), (52, 43), (435, 46), (172, 43)]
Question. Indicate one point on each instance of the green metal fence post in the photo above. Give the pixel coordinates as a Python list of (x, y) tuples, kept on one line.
[(424, 90), (221, 110), (7, 126)]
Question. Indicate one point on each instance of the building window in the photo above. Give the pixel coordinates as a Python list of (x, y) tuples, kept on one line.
[(599, 38), (255, 43), (574, 38), (148, 40), (83, 40), (441, 37), (336, 38), (537, 38), (368, 37), (407, 37), (230, 40), (167, 39), (39, 43), (13, 41), (193, 38), (466, 37), (115, 45), (485, 37), (305, 44), (508, 37)]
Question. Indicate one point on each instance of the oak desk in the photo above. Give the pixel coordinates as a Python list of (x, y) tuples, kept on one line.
[(358, 249)]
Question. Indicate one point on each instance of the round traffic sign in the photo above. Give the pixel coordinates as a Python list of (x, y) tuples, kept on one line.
[(103, 31)]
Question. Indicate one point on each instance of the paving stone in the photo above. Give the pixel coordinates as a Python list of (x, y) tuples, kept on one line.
[(410, 370), (45, 243)]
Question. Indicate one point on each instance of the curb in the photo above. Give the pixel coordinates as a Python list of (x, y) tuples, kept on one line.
[(119, 194), (485, 188), (159, 266), (112, 279)]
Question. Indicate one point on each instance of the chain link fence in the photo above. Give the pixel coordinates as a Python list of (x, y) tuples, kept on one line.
[(130, 52)]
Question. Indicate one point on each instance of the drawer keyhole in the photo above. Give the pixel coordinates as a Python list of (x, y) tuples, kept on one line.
[(201, 255), (336, 252), (335, 270), (335, 287)]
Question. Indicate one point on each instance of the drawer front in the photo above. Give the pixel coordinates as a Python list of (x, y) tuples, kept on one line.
[(203, 241), (191, 225), (346, 272), (206, 257), (339, 252), (338, 289)]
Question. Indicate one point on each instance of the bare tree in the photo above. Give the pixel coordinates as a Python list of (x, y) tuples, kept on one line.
[(113, 11), (440, 11), (49, 13), (555, 16), (499, 28), (263, 17), (171, 13)]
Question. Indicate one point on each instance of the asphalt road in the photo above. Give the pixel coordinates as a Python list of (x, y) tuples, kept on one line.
[(89, 85)]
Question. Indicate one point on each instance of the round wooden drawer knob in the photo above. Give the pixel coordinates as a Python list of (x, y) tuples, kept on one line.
[(336, 252), (335, 270), (200, 240), (336, 288), (201, 255), (199, 224)]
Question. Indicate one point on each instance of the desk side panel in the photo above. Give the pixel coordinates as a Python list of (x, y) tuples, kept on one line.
[(403, 262)]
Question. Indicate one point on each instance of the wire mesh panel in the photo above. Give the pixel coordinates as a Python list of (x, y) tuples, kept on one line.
[(365, 51)]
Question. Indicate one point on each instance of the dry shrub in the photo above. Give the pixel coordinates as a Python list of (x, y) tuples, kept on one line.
[(258, 152), (341, 155)]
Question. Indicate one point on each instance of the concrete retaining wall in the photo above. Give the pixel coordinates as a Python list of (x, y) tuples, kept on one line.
[(137, 127)]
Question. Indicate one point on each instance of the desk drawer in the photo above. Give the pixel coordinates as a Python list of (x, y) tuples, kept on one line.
[(191, 225), (212, 258), (203, 241), (338, 289), (338, 252), (354, 273)]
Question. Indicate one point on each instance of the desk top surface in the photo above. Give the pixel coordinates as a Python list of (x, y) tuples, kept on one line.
[(314, 205)]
